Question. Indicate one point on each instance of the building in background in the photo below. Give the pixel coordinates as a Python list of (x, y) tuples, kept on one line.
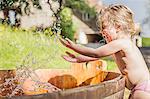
[(87, 24)]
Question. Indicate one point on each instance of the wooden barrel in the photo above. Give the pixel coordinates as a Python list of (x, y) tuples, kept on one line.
[(5, 75), (112, 88), (8, 83)]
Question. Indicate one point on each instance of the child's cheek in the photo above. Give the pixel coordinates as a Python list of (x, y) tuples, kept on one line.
[(112, 33)]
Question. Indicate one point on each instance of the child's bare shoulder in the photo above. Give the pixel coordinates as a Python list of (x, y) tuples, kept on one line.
[(123, 43)]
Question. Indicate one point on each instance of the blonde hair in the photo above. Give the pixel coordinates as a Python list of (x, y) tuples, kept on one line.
[(118, 15)]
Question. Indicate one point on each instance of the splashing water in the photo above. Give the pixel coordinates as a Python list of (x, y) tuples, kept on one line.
[(14, 85)]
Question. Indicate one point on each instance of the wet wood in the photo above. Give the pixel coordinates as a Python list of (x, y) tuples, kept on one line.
[(80, 74), (64, 81), (8, 83), (5, 75), (112, 88)]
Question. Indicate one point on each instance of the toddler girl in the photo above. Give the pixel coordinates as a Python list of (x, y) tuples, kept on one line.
[(117, 27)]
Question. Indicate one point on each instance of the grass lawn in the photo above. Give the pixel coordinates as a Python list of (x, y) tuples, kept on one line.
[(111, 64), (36, 50), (18, 47), (145, 42)]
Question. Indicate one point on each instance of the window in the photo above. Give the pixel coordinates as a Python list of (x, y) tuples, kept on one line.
[(85, 16)]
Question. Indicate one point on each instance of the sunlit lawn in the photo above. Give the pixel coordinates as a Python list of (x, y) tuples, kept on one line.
[(19, 47), (146, 42), (36, 50)]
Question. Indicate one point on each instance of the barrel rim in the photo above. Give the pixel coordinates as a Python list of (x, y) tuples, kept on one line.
[(81, 89)]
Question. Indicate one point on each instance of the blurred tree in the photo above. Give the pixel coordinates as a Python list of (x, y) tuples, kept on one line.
[(81, 5), (21, 7), (19, 4), (26, 8), (66, 23), (63, 15), (56, 27)]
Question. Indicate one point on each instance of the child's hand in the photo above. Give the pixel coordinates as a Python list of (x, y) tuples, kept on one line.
[(66, 42), (77, 59), (70, 57)]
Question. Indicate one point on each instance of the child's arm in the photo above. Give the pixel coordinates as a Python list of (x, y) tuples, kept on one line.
[(102, 51), (78, 58)]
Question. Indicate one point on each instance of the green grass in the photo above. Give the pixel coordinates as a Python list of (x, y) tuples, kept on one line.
[(111, 65), (19, 47), (36, 50), (145, 42)]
